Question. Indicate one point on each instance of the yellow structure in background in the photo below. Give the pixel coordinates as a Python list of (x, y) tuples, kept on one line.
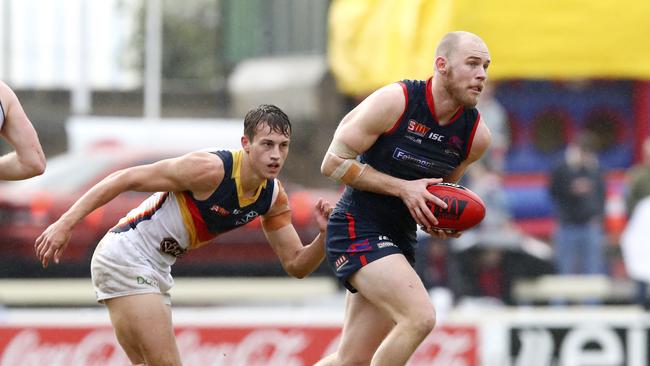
[(376, 42)]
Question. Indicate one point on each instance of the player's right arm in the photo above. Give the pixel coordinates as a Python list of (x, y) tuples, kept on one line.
[(27, 160), (199, 172), (356, 133)]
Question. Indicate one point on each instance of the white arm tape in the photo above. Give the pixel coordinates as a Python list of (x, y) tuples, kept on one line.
[(340, 171), (341, 150), (348, 171)]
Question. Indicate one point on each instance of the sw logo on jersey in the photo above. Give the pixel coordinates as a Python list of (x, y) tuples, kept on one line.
[(219, 210), (454, 210), (417, 128)]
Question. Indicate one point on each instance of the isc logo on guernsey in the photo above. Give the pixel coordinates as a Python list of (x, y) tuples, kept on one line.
[(435, 136)]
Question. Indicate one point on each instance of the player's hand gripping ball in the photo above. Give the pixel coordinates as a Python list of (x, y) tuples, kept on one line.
[(465, 209)]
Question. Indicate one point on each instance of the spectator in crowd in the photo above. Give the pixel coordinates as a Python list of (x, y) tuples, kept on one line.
[(635, 255), (577, 188)]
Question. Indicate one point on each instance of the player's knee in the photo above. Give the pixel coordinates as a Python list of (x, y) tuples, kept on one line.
[(422, 322), (425, 325)]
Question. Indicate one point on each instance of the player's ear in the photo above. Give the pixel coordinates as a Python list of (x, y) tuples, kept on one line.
[(441, 65), (245, 143)]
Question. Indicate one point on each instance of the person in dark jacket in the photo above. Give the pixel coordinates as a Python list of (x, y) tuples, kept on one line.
[(577, 188)]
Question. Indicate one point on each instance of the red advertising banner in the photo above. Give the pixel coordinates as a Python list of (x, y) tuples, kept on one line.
[(217, 346)]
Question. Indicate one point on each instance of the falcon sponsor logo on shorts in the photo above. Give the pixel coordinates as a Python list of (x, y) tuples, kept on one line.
[(340, 262), (385, 244), (146, 281)]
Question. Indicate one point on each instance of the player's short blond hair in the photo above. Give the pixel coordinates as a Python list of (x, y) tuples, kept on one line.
[(450, 41)]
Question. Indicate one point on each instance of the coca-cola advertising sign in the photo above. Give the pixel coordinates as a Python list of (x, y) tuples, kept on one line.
[(217, 346)]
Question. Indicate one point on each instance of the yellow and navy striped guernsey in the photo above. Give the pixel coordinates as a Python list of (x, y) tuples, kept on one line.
[(194, 223), (226, 208)]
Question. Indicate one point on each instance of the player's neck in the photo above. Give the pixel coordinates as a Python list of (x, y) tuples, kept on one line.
[(446, 106)]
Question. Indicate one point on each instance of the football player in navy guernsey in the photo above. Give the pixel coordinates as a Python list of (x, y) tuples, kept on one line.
[(199, 196), (387, 150)]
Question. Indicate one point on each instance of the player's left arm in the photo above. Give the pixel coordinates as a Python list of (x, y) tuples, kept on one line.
[(482, 139), (297, 260)]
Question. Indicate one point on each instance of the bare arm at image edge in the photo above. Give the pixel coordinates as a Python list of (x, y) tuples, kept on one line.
[(27, 160)]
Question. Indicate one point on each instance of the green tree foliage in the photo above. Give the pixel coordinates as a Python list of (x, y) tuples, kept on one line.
[(190, 44)]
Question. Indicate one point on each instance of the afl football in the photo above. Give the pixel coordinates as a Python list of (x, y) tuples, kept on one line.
[(465, 209)]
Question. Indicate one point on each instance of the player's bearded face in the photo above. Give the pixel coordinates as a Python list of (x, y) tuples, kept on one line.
[(458, 87)]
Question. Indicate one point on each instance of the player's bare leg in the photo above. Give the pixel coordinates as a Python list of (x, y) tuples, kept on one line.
[(143, 326), (392, 285), (365, 327)]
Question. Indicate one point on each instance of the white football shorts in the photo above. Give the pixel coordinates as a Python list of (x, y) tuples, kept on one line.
[(119, 268)]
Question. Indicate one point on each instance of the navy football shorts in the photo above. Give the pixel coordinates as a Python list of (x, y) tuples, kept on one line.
[(352, 242)]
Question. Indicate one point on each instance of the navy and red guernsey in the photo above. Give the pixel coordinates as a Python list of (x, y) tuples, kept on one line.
[(416, 147), (367, 226)]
